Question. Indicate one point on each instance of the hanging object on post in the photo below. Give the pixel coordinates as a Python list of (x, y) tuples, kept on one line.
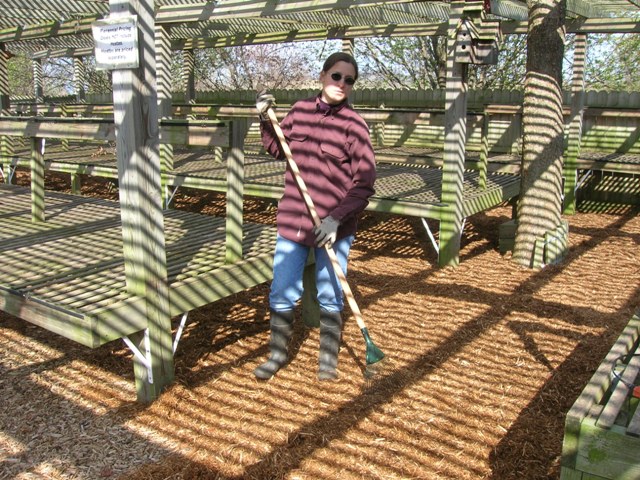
[(477, 37)]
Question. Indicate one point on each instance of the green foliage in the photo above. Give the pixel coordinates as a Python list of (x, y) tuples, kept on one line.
[(97, 81), (402, 62), (419, 63), (20, 76), (612, 62), (508, 73)]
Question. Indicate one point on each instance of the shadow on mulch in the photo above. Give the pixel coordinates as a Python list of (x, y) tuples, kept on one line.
[(484, 362)]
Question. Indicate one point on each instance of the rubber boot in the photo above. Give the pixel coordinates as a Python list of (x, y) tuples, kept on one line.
[(281, 331), (330, 334)]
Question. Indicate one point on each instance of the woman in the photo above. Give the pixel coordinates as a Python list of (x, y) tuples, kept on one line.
[(331, 145)]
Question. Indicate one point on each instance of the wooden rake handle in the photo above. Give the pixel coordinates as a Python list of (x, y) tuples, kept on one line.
[(316, 219)]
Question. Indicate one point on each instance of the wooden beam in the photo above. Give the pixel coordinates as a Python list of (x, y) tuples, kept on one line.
[(310, 35), (585, 9), (510, 9), (575, 124), (37, 179), (5, 100), (235, 191), (38, 80), (79, 78), (454, 145), (135, 104), (188, 75), (56, 128), (588, 25), (50, 29), (248, 8)]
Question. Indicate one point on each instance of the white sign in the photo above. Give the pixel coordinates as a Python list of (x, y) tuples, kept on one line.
[(116, 42)]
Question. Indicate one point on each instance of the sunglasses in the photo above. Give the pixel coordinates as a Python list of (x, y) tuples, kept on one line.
[(336, 77)]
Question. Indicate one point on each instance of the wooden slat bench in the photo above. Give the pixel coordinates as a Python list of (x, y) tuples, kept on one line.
[(402, 187), (67, 274), (602, 429), (83, 275)]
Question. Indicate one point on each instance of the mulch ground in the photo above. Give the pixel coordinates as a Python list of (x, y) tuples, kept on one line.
[(484, 361)]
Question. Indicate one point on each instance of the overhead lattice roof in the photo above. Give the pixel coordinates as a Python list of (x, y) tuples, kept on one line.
[(49, 28)]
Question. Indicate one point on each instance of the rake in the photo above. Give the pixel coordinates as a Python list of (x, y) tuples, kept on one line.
[(373, 353)]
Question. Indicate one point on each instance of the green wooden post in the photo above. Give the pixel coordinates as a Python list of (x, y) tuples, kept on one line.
[(37, 180), (64, 114), (454, 144), (79, 79), (484, 152), (136, 120), (6, 142), (575, 126), (188, 75), (165, 104), (235, 190), (38, 83)]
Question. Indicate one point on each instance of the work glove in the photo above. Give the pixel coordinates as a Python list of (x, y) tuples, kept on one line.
[(326, 232), (264, 101)]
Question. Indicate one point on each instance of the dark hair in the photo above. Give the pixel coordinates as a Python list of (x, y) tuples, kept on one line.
[(340, 57)]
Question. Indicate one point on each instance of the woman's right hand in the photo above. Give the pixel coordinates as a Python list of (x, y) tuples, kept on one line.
[(264, 101)]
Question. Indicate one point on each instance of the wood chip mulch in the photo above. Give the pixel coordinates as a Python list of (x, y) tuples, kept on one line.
[(484, 361)]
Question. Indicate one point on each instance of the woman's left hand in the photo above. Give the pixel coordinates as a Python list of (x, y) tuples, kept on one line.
[(326, 232)]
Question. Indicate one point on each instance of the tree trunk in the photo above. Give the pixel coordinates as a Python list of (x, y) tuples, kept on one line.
[(540, 203)]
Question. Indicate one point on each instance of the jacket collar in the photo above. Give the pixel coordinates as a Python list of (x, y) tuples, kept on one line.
[(326, 109)]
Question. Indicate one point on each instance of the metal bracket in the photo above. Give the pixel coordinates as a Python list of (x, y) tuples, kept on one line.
[(584, 178), (436, 247), (170, 197), (434, 242), (145, 358), (176, 340)]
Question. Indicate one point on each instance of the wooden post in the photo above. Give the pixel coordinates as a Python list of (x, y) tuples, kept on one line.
[(37, 179), (484, 151), (38, 82), (454, 146), (6, 142), (235, 190), (575, 125), (165, 105), (188, 76), (79, 78), (349, 46), (136, 120), (5, 102)]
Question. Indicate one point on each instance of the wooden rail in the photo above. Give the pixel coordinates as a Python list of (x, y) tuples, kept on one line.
[(602, 429), (65, 268)]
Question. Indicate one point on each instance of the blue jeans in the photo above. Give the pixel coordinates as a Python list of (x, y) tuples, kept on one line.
[(288, 265)]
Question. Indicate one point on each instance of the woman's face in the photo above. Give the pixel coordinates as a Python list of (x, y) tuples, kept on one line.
[(335, 82)]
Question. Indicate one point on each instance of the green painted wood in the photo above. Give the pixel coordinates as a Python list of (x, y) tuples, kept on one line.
[(575, 124), (569, 474), (609, 453), (453, 155), (136, 118), (85, 296), (235, 190), (618, 395), (37, 179), (587, 405)]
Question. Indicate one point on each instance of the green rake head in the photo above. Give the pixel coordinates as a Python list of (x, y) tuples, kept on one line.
[(373, 355)]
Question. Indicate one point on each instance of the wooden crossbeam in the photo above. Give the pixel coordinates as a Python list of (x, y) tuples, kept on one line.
[(247, 8)]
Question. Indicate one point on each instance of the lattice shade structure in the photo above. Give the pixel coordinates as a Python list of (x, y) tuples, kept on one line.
[(54, 28)]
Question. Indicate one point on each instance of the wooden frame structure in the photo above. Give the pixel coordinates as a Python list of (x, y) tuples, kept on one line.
[(141, 97)]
